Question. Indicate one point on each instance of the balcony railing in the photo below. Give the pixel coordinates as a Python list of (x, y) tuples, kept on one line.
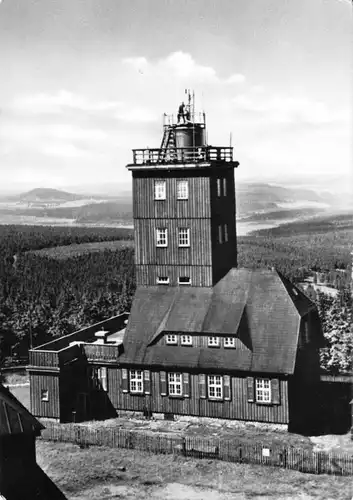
[(182, 155), (43, 358), (99, 352), (197, 118)]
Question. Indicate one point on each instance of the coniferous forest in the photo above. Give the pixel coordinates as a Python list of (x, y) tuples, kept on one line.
[(54, 280)]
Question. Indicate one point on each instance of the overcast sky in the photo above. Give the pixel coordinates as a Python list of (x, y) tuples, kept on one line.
[(84, 81)]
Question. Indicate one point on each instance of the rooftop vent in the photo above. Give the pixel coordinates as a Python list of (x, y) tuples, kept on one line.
[(101, 336)]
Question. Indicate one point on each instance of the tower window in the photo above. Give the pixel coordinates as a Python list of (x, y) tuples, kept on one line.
[(220, 239), (184, 237), (226, 232), (162, 280), (224, 186), (161, 237), (184, 280), (182, 190), (219, 187), (159, 190)]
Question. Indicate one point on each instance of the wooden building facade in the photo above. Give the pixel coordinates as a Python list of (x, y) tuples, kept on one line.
[(203, 338)]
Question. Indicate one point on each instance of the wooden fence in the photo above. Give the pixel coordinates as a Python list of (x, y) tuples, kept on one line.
[(200, 447)]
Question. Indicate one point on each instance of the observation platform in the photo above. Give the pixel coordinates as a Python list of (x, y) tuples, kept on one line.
[(199, 156)]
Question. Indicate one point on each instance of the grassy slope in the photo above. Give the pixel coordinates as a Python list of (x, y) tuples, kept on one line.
[(94, 473)]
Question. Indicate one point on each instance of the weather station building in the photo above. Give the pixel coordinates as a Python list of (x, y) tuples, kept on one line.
[(204, 338)]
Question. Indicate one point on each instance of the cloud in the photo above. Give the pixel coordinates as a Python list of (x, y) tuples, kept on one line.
[(235, 78), (62, 101)]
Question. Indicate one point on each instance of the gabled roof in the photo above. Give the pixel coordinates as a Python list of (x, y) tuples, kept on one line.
[(14, 417), (260, 307)]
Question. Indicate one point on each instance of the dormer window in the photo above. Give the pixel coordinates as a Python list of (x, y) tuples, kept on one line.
[(162, 280), (229, 342), (171, 339), (160, 190), (184, 280), (182, 190), (186, 340), (213, 341)]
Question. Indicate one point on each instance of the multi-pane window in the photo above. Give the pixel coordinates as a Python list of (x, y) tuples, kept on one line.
[(161, 237), (44, 395), (102, 377), (229, 341), (213, 341), (226, 232), (136, 381), (263, 390), (215, 387), (220, 239), (162, 280), (184, 280), (175, 384), (186, 340), (172, 338), (159, 190), (182, 190), (184, 237)]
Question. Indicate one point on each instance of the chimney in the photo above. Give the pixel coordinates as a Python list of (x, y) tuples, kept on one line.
[(101, 336)]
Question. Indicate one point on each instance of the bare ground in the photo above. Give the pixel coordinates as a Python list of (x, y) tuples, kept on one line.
[(102, 473)]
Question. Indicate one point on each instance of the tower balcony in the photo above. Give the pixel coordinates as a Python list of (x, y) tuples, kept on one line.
[(185, 156)]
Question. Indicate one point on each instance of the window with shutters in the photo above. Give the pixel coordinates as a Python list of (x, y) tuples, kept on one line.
[(136, 381), (182, 190), (229, 342), (160, 190), (171, 338), (263, 390), (215, 386), (175, 384), (44, 395), (213, 341), (161, 237), (184, 237), (186, 340)]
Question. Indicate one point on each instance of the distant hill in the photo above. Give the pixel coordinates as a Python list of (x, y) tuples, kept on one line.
[(49, 195)]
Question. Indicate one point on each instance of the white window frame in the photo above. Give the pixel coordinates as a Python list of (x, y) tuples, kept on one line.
[(229, 342), (213, 341), (175, 384), (182, 190), (160, 190), (184, 280), (136, 381), (215, 386), (184, 237), (219, 188), (44, 395), (171, 339), (163, 280), (102, 377), (220, 239), (263, 390), (224, 186), (186, 340), (225, 233), (161, 237)]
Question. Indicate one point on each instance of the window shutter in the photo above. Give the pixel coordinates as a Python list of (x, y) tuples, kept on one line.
[(275, 392), (163, 383), (250, 387), (202, 385), (125, 380), (227, 388), (186, 385), (147, 381)]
